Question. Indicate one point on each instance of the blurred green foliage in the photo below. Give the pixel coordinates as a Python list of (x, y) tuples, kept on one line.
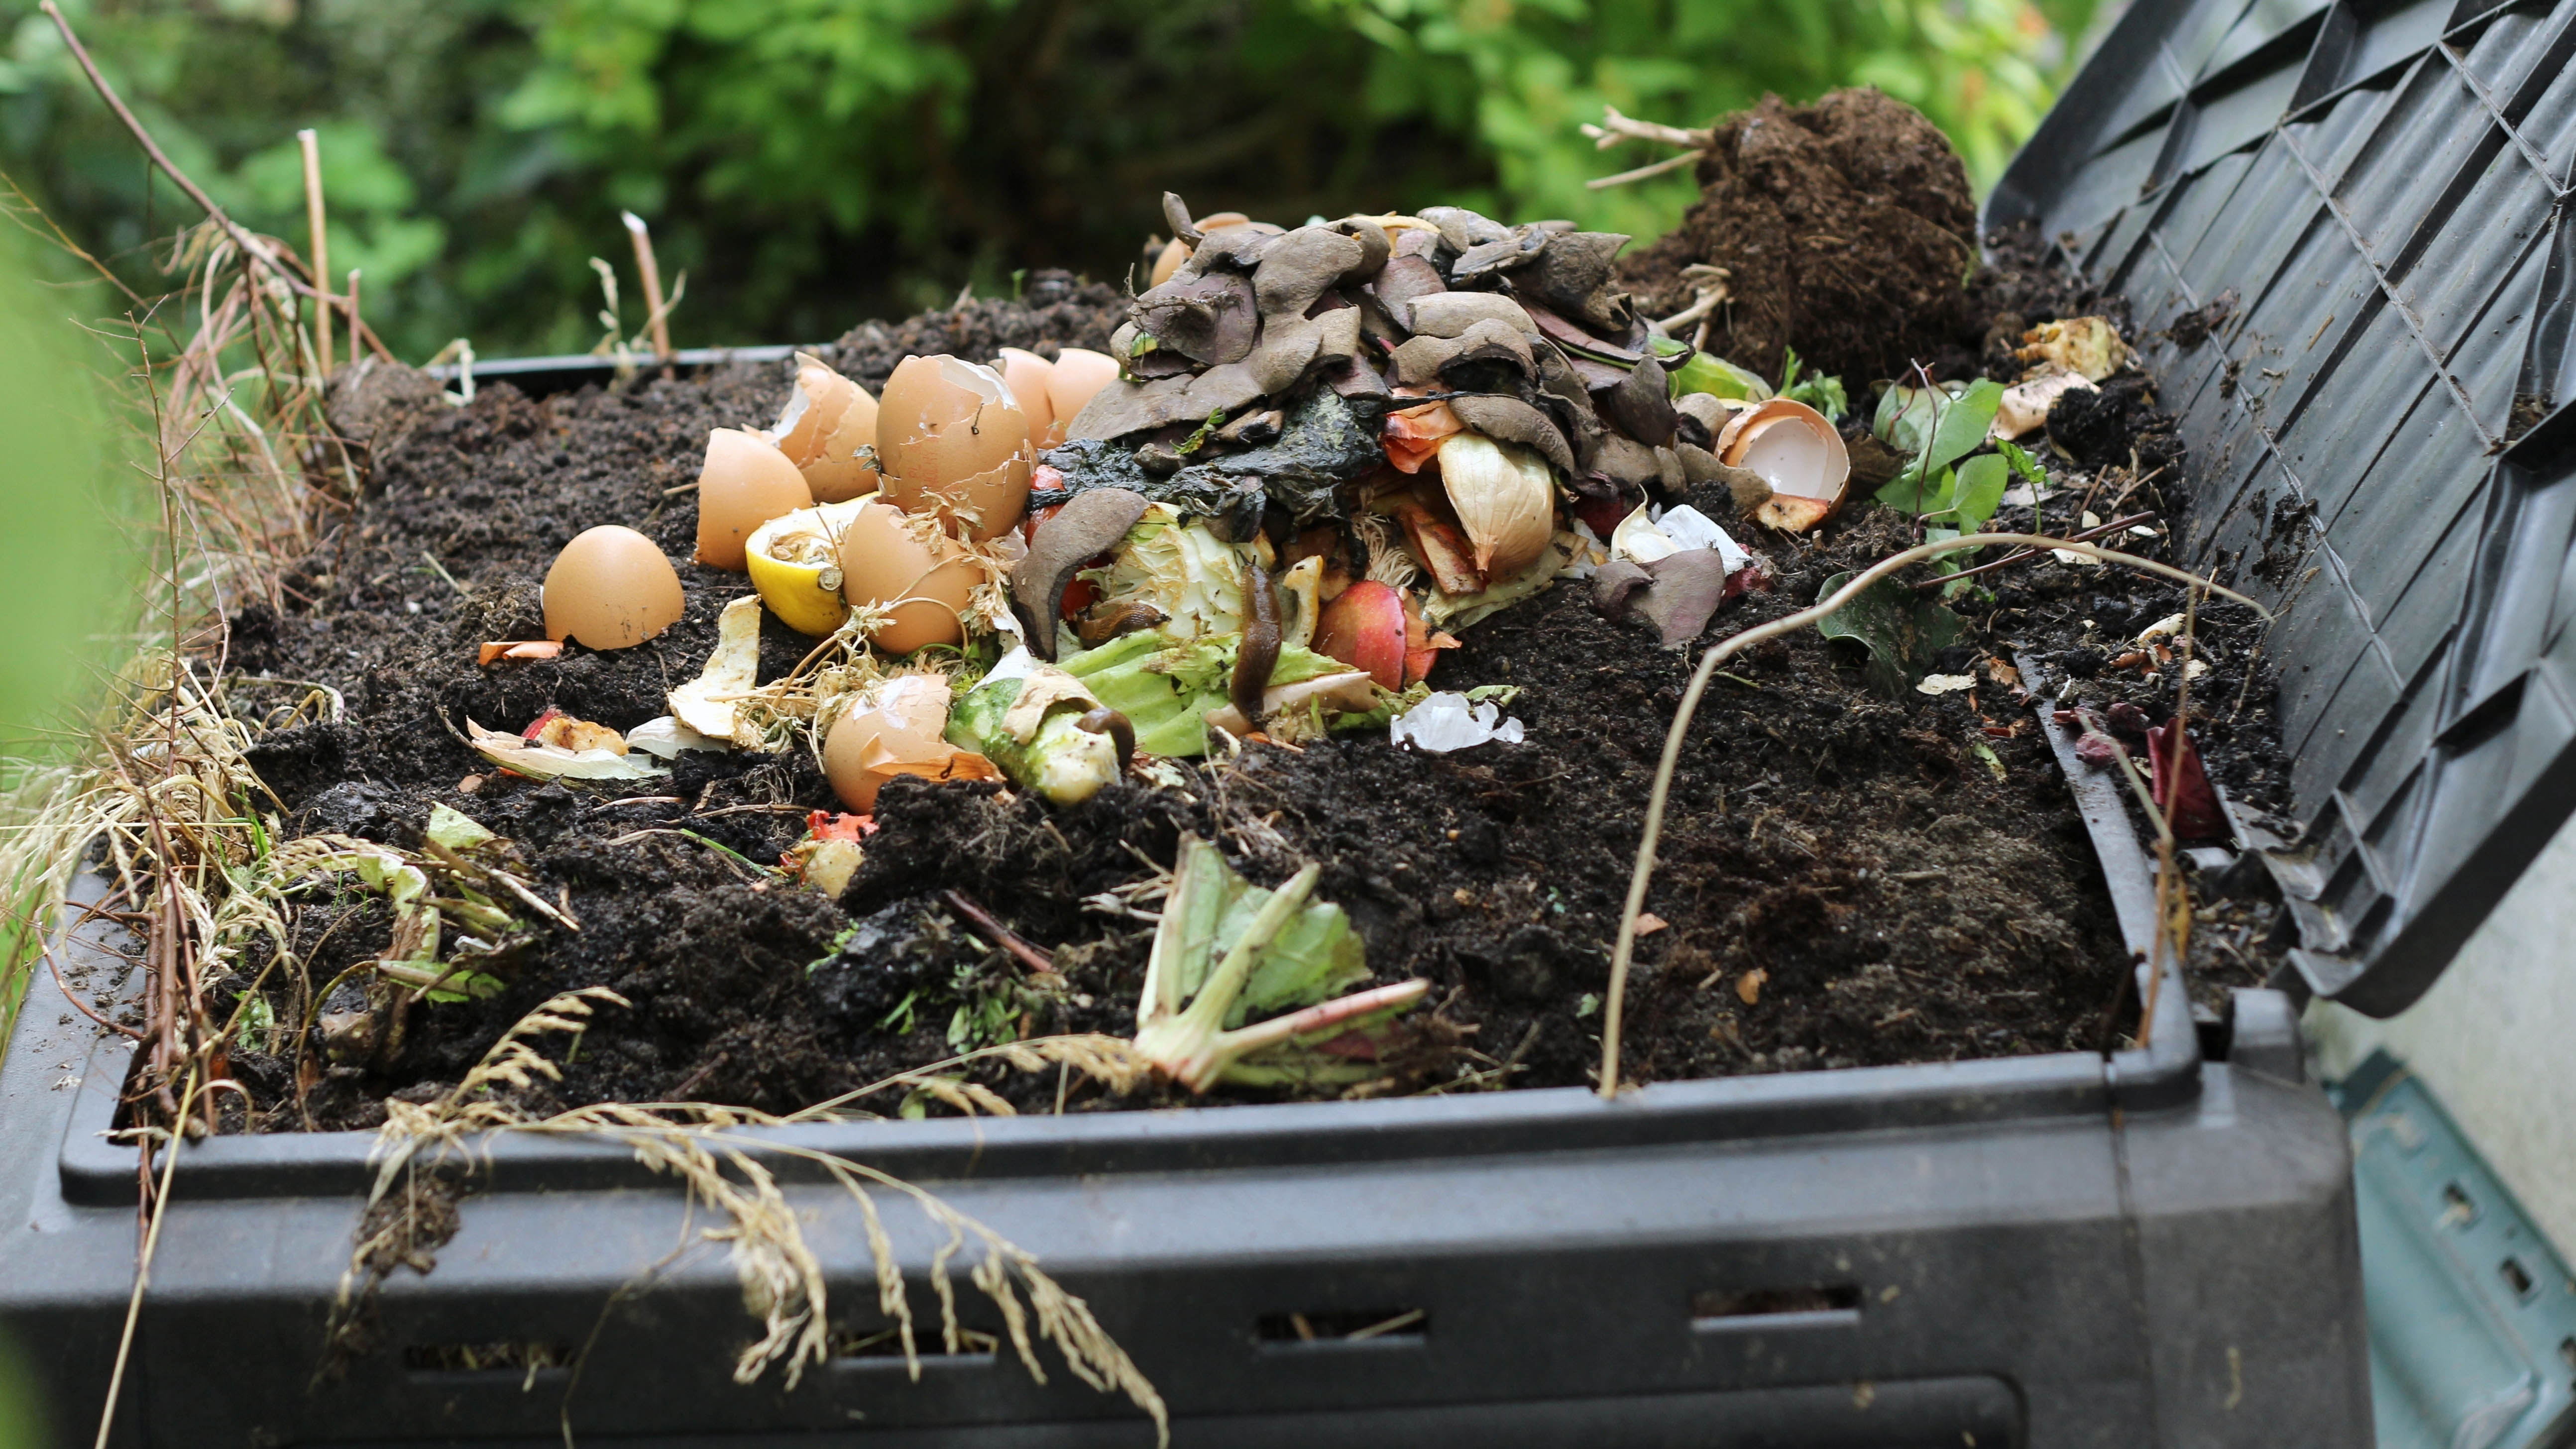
[(67, 567), (809, 162)]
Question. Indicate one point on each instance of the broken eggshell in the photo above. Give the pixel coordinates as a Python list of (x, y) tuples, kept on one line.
[(1030, 379), (920, 577), (611, 588), (952, 440), (1790, 446), (1078, 374), (745, 482), (895, 730), (828, 420)]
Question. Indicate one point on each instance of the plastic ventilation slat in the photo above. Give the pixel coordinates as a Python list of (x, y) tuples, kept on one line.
[(2382, 185)]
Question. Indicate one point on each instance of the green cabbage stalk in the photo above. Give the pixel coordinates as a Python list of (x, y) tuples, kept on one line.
[(1228, 951), (1166, 689)]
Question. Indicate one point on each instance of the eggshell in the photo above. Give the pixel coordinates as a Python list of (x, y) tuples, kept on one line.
[(611, 588), (1078, 374), (885, 558), (828, 418), (1028, 376), (897, 733), (745, 483), (952, 440)]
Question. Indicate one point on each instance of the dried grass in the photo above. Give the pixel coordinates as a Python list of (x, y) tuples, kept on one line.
[(783, 1282)]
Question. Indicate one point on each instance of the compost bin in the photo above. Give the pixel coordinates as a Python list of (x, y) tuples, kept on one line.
[(2334, 232)]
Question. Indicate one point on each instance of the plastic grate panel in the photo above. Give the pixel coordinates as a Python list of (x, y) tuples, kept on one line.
[(2375, 433)]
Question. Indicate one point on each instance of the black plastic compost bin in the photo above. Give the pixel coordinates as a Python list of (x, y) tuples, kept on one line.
[(2155, 1248)]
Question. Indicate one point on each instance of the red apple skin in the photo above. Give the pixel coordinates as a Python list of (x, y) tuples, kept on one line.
[(1364, 628)]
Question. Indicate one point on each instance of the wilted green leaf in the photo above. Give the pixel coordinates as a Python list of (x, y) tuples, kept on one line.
[(1900, 630)]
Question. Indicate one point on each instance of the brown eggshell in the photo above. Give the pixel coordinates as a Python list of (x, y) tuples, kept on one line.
[(1029, 378), (827, 420), (611, 588), (1795, 450), (745, 483), (1078, 374), (927, 580), (953, 441)]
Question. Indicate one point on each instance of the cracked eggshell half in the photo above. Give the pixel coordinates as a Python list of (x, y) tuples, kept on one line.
[(745, 483), (1079, 373), (827, 420), (1790, 446), (904, 564), (611, 588), (952, 440), (1028, 376)]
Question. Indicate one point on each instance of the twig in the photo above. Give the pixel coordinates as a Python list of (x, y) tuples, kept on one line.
[(1614, 998), (1945, 580), (990, 928), (249, 241), (320, 243), (1706, 303), (151, 1241), (1615, 128), (655, 313), (356, 328), (1657, 168)]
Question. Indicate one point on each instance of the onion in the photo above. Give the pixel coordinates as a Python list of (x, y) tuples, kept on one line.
[(1790, 446), (1505, 500)]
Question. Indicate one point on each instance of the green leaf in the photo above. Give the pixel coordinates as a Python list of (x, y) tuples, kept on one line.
[(1901, 631), (1906, 414), (1719, 378), (1980, 490), (1964, 423), (2024, 466), (1906, 493)]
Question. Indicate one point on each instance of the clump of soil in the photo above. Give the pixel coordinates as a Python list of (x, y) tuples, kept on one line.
[(1845, 227)]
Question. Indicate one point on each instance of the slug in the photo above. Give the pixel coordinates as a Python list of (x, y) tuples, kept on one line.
[(1260, 652), (1122, 734)]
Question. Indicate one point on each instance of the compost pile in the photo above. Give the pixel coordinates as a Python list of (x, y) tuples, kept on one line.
[(1264, 670)]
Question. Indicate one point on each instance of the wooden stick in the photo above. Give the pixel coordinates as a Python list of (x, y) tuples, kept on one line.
[(984, 923), (1669, 163), (652, 275), (1945, 580), (356, 337), (321, 242)]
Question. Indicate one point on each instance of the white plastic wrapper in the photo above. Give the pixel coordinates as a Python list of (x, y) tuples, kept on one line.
[(1689, 528), (1446, 722), (1649, 534)]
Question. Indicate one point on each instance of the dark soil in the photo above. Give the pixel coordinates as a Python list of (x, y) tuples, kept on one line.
[(1845, 880), (1845, 227)]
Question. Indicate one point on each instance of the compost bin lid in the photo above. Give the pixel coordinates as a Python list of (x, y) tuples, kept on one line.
[(2372, 194)]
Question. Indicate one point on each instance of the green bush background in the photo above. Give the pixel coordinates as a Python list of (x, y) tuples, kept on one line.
[(811, 162)]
